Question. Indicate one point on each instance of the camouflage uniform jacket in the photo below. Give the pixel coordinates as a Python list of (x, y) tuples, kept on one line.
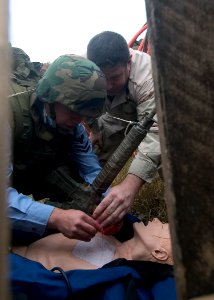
[(131, 105), (48, 148), (39, 146)]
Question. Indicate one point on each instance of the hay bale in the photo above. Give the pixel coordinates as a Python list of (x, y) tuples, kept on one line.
[(149, 202)]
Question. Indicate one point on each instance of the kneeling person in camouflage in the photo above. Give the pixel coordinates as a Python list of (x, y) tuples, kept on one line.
[(51, 148)]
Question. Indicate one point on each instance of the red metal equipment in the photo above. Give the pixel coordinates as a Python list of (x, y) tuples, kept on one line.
[(143, 45)]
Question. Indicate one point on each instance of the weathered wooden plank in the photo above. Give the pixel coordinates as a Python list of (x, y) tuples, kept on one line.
[(182, 45), (4, 88)]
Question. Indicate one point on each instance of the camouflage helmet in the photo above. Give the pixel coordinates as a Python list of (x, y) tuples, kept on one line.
[(20, 61), (76, 82), (23, 70)]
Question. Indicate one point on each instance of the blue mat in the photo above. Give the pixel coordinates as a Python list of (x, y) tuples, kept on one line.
[(120, 279)]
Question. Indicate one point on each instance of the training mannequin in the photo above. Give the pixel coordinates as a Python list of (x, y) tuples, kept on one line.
[(149, 243)]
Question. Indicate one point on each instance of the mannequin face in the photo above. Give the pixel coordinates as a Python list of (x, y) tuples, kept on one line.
[(155, 240)]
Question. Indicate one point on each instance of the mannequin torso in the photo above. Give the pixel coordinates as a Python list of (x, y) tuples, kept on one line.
[(150, 243)]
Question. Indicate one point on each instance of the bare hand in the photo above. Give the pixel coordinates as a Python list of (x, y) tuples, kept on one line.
[(74, 224), (116, 204)]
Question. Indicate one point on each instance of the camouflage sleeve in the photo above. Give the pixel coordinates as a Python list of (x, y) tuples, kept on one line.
[(147, 159)]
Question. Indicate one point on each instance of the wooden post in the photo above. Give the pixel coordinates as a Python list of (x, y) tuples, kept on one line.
[(4, 92), (182, 50)]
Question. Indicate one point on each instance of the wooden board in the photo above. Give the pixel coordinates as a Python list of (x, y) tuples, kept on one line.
[(182, 49)]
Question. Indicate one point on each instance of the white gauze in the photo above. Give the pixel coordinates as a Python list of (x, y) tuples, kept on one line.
[(97, 252)]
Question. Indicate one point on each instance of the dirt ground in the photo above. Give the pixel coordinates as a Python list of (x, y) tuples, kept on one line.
[(149, 202)]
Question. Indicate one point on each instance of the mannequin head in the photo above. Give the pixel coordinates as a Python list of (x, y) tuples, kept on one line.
[(153, 242)]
